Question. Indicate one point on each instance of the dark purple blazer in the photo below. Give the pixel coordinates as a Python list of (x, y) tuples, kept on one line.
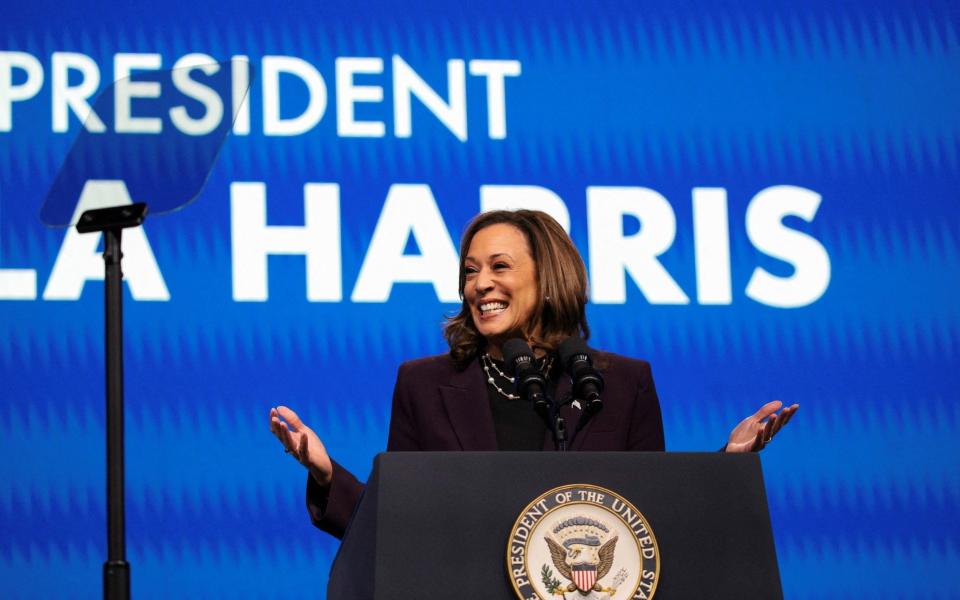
[(437, 408)]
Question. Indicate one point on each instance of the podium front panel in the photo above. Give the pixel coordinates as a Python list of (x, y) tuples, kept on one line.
[(436, 524)]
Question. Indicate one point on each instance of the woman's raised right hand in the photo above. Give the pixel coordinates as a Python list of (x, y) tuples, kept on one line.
[(302, 443)]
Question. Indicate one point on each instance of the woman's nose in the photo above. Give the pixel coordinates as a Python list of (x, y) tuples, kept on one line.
[(483, 282)]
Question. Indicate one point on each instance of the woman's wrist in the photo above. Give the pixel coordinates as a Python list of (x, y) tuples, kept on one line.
[(323, 477)]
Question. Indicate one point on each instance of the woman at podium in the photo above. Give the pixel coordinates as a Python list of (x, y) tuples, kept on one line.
[(520, 277)]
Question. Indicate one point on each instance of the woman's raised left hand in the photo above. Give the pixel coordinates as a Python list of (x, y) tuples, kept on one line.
[(757, 430)]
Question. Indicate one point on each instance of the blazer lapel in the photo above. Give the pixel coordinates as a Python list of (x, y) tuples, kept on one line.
[(465, 398)]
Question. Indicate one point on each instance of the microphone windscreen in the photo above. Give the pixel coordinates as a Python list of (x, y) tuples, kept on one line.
[(571, 347), (513, 350)]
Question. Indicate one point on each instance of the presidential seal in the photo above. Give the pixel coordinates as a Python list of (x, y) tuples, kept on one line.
[(582, 542)]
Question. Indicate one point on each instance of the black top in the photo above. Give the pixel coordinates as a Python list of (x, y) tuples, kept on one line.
[(517, 425)]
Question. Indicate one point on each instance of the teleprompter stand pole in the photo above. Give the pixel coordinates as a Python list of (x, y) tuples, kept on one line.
[(112, 221)]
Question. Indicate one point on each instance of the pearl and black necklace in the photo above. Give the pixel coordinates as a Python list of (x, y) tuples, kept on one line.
[(488, 363)]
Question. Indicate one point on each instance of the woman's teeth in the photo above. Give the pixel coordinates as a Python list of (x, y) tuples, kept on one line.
[(492, 307)]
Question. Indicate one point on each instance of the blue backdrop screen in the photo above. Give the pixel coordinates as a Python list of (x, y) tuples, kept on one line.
[(765, 196)]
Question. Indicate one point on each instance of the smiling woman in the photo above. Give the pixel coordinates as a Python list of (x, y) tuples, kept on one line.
[(520, 277), (501, 286)]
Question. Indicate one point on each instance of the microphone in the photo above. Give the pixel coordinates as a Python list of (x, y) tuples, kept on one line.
[(587, 382), (531, 384)]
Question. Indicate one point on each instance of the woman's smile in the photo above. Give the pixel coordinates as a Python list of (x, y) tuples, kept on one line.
[(501, 284)]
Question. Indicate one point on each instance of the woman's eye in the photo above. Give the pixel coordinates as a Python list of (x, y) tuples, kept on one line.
[(501, 266), (470, 270)]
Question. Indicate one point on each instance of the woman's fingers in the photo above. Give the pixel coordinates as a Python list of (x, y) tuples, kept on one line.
[(788, 414), (767, 409), (288, 438), (757, 441), (772, 426), (274, 423), (782, 418), (757, 430), (290, 417), (276, 429), (302, 450), (293, 441), (294, 435), (277, 426)]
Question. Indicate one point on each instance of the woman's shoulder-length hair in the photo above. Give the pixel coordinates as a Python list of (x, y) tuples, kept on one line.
[(561, 285)]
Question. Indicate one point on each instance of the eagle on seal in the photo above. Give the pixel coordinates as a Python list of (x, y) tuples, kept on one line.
[(564, 560)]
